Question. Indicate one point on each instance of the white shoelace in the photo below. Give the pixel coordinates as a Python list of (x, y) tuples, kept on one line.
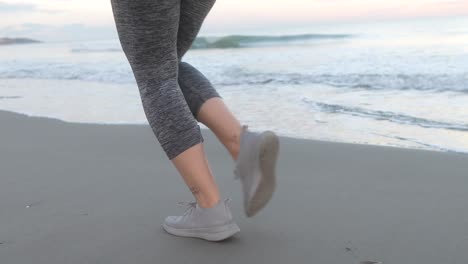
[(190, 206)]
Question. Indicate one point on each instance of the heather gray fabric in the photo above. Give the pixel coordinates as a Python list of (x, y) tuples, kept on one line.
[(214, 224), (194, 85), (154, 35), (255, 167)]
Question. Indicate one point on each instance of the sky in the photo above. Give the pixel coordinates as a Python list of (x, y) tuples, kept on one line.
[(56, 20)]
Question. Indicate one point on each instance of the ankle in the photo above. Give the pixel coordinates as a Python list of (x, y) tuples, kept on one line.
[(234, 144), (234, 151), (207, 202)]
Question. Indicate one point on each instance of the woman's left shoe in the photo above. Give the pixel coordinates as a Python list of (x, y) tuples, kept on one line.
[(255, 168), (213, 224)]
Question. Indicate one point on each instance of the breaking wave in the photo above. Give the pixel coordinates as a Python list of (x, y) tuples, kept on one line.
[(239, 41), (384, 115)]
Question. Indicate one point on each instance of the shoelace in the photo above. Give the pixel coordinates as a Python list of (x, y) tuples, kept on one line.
[(190, 206), (187, 203)]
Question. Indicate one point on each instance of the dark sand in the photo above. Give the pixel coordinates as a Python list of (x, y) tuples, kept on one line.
[(82, 193)]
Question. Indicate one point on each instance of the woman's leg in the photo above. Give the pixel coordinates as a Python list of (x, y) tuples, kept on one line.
[(254, 154), (194, 85), (192, 16), (196, 88), (147, 31), (215, 114)]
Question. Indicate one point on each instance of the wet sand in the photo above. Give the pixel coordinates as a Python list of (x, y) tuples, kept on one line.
[(86, 193)]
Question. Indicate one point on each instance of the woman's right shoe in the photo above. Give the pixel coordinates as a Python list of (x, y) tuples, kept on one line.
[(255, 168), (213, 224)]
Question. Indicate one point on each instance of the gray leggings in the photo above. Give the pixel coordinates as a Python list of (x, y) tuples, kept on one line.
[(154, 35)]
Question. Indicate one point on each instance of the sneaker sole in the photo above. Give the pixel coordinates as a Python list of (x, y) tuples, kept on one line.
[(212, 233), (269, 148)]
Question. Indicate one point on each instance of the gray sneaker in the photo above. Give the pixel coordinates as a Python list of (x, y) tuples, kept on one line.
[(255, 167), (213, 224)]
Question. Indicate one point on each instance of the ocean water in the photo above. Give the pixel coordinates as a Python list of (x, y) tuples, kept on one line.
[(400, 84)]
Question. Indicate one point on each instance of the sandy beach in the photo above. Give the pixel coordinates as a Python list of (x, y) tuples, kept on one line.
[(88, 193)]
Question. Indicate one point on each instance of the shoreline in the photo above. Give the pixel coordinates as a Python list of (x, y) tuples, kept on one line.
[(203, 127)]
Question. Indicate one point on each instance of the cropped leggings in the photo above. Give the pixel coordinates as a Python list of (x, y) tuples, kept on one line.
[(155, 35)]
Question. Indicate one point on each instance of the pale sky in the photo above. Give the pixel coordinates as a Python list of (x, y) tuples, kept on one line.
[(69, 19)]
